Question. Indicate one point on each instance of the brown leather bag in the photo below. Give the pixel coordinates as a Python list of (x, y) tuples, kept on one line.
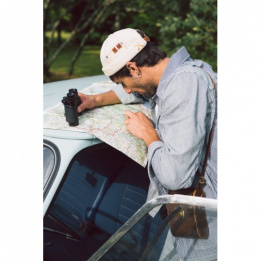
[(191, 221)]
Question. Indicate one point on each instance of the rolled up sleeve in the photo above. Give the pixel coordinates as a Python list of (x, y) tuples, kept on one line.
[(184, 120)]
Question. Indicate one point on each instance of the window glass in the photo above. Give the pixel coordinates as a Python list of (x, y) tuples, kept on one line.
[(48, 163), (151, 239), (100, 213)]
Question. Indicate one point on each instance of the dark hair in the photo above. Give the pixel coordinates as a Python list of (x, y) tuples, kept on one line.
[(149, 56)]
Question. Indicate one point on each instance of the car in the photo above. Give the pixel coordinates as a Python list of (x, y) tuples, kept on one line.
[(95, 196)]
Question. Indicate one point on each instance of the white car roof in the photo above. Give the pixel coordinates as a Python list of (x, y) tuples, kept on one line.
[(53, 94)]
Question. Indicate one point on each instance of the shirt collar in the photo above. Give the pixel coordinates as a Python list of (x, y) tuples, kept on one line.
[(176, 60)]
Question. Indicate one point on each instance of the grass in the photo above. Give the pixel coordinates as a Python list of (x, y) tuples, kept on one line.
[(88, 64), (64, 35)]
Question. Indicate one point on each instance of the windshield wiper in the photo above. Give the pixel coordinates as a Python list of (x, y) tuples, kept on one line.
[(68, 236), (70, 233)]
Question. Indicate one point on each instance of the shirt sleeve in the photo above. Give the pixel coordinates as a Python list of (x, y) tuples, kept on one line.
[(126, 98), (184, 120)]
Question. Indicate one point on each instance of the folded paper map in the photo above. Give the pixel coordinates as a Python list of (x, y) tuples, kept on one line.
[(106, 123)]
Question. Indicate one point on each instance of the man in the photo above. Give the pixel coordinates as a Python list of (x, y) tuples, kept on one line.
[(183, 102)]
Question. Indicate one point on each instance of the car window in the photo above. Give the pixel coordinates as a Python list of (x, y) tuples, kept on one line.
[(51, 161), (150, 238), (48, 163), (104, 192)]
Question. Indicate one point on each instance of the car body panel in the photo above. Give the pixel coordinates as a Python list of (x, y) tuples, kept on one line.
[(54, 92), (67, 148), (69, 143)]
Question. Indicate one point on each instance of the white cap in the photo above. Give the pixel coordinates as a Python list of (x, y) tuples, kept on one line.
[(119, 48)]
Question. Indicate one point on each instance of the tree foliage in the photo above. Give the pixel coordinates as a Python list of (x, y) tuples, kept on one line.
[(195, 28), (169, 23)]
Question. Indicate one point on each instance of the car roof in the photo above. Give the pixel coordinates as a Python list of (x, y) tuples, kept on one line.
[(53, 94)]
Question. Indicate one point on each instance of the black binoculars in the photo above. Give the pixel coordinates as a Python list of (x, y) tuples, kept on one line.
[(71, 103)]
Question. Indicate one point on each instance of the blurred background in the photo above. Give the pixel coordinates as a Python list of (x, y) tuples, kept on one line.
[(74, 31)]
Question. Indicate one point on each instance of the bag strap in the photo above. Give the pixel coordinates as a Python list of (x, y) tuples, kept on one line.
[(202, 178)]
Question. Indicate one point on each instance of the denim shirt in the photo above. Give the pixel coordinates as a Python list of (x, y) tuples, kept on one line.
[(187, 107), (186, 103)]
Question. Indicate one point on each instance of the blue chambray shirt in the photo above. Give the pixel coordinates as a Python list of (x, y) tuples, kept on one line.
[(186, 103), (187, 106)]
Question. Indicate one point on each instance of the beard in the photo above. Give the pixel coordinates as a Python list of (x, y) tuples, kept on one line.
[(150, 89)]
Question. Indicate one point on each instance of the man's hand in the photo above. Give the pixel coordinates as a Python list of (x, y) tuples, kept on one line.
[(88, 102), (97, 100), (141, 126)]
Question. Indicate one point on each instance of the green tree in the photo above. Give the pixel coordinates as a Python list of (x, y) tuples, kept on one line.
[(194, 26), (171, 24), (92, 14)]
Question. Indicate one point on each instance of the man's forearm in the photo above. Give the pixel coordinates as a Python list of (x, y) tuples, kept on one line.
[(97, 100)]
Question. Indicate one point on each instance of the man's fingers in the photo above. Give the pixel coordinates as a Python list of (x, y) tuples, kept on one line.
[(81, 96), (80, 108), (129, 114)]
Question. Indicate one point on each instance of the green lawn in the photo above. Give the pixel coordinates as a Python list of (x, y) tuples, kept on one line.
[(88, 64)]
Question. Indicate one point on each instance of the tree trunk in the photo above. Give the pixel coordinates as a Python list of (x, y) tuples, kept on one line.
[(55, 26), (93, 19), (59, 38), (79, 51), (97, 21), (45, 50)]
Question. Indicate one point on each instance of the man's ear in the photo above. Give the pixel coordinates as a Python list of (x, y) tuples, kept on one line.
[(133, 69)]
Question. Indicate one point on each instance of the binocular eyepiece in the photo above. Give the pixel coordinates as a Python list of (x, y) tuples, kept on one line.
[(71, 103)]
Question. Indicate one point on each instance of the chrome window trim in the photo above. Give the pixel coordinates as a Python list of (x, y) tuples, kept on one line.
[(178, 199), (57, 159)]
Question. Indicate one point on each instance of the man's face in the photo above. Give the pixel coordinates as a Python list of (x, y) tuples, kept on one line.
[(138, 85)]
